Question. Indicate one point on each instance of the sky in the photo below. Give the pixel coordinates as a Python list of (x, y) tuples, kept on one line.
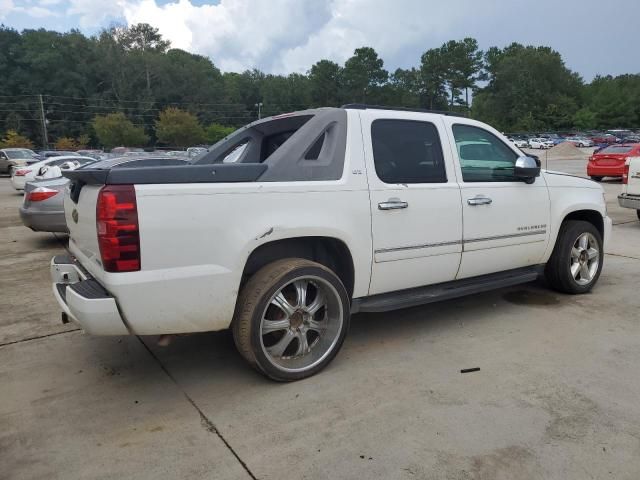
[(282, 36)]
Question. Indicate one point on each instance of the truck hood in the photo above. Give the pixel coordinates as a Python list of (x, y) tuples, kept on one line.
[(561, 179)]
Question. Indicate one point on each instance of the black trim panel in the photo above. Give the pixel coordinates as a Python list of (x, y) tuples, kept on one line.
[(219, 173), (445, 291), (89, 289)]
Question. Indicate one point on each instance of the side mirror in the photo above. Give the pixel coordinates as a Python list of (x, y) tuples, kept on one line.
[(527, 169)]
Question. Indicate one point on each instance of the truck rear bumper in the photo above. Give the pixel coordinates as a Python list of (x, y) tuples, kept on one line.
[(629, 201), (84, 300)]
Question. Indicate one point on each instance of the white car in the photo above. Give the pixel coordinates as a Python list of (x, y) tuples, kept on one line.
[(520, 143), (580, 141), (541, 143), (323, 213), (630, 196), (28, 173)]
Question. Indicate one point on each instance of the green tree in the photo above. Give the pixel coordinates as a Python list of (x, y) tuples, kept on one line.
[(13, 139), (216, 132), (325, 79), (528, 86), (463, 63), (432, 79), (179, 128), (115, 129), (363, 74)]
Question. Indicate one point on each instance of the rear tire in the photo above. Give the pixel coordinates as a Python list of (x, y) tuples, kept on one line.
[(638, 213), (596, 178), (577, 258), (291, 319)]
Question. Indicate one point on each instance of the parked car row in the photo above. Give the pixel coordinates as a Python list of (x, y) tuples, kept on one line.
[(582, 140)]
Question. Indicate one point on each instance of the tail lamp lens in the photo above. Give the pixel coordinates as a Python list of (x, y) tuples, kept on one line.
[(117, 226), (41, 193), (21, 173)]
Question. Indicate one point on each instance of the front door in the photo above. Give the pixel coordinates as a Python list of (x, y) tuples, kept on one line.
[(415, 202), (505, 221)]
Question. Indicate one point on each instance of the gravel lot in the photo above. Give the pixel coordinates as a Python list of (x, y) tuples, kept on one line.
[(556, 396)]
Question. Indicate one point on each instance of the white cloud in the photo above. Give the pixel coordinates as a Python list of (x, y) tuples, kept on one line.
[(6, 7), (290, 35), (94, 13)]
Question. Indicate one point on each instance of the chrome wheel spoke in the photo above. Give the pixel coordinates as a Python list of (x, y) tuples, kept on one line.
[(592, 253), (303, 344), (281, 302), (278, 349), (585, 274), (583, 241), (575, 269), (269, 326), (316, 326), (317, 303), (575, 253), (301, 293)]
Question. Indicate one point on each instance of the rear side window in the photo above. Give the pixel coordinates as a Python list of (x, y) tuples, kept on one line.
[(407, 151)]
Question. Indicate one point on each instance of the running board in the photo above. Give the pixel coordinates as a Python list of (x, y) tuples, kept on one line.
[(444, 291)]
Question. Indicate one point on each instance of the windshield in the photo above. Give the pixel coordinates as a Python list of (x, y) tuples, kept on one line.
[(18, 154)]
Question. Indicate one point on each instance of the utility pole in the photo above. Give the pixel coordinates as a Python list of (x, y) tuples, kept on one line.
[(45, 138), (259, 105)]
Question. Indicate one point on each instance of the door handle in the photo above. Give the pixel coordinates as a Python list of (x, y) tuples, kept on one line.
[(479, 201), (392, 204)]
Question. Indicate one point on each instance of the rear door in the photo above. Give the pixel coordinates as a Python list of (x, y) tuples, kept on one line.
[(415, 201)]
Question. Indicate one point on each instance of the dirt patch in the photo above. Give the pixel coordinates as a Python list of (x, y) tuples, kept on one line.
[(564, 151)]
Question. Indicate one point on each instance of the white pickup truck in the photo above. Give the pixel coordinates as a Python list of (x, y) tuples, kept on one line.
[(630, 196), (288, 226)]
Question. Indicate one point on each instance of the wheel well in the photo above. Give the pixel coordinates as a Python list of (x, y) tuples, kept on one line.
[(327, 251), (592, 216)]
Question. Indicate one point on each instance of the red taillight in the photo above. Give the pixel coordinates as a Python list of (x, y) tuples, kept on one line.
[(21, 173), (625, 172), (117, 225), (41, 193)]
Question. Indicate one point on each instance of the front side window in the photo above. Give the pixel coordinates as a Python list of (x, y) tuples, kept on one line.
[(483, 156), (407, 151)]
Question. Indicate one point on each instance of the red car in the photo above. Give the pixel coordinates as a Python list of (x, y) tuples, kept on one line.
[(609, 162)]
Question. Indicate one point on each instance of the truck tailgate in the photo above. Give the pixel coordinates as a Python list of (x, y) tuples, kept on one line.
[(633, 182), (81, 221)]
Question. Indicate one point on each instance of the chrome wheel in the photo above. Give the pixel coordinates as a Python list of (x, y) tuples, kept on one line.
[(585, 259), (301, 324)]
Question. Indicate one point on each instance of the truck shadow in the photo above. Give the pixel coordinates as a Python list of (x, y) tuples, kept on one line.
[(211, 358)]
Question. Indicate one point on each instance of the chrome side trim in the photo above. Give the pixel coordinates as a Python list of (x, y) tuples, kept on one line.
[(417, 247), (500, 237), (458, 242)]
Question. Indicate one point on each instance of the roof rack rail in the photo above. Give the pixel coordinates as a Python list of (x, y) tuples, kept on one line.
[(364, 106)]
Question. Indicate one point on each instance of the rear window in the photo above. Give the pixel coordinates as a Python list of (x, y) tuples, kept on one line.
[(617, 149)]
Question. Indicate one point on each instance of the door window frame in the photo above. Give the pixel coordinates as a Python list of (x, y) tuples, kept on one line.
[(512, 148)]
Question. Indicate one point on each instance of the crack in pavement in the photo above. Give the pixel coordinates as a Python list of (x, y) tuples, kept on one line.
[(621, 256), (39, 337), (206, 422)]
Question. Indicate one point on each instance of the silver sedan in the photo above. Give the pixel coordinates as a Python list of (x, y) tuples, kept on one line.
[(43, 206)]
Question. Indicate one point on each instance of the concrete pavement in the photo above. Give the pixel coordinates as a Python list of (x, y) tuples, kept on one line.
[(555, 397)]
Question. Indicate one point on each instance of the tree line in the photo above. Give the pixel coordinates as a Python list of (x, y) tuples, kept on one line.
[(127, 83)]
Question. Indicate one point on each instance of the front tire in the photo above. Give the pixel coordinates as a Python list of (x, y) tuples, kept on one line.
[(638, 213), (291, 319), (577, 258)]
